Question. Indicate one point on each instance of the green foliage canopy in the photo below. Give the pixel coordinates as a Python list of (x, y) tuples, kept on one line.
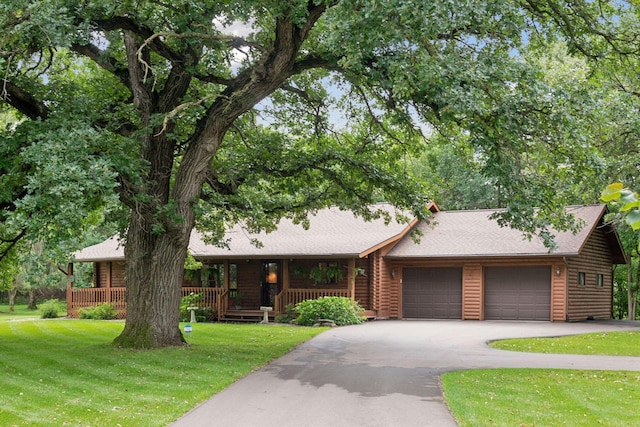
[(397, 65)]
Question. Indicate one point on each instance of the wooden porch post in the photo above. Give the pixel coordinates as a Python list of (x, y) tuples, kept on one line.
[(285, 275), (223, 302), (225, 276), (70, 286), (281, 300), (351, 278), (109, 273)]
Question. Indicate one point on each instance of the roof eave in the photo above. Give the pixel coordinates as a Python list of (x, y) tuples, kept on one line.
[(618, 254), (277, 256), (390, 241), (98, 259), (473, 256)]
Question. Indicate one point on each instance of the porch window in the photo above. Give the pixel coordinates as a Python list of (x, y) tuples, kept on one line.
[(581, 278), (600, 280), (271, 273), (213, 275), (233, 279)]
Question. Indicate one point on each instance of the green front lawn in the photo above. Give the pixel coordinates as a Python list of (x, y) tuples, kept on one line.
[(543, 397), (20, 312), (625, 343), (65, 372), (550, 397)]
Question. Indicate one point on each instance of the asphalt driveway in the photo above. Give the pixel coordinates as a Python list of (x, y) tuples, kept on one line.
[(385, 373)]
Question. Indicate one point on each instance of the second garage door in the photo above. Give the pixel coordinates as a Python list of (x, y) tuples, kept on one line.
[(432, 293), (517, 293)]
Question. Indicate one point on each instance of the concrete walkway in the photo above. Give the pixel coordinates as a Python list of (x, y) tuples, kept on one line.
[(385, 373)]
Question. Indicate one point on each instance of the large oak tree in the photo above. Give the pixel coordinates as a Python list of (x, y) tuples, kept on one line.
[(307, 104)]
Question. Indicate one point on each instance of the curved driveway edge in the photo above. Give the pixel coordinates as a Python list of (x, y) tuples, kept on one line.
[(385, 373)]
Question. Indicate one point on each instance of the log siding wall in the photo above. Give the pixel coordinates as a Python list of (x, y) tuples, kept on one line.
[(108, 274), (472, 292), (590, 301), (380, 293), (363, 291), (558, 292), (386, 285)]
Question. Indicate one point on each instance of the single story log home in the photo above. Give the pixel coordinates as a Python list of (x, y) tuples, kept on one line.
[(465, 266)]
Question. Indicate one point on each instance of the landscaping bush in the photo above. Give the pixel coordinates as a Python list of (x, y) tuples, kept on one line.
[(342, 310), (100, 312), (287, 316), (50, 309)]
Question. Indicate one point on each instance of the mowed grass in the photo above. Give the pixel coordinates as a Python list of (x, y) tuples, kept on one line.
[(626, 343), (65, 372), (20, 311), (550, 397), (543, 397)]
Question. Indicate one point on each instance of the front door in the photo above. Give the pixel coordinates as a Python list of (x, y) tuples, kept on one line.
[(270, 283)]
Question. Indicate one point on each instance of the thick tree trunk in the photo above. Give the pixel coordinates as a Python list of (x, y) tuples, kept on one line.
[(12, 299), (631, 293), (155, 260), (154, 270), (32, 300)]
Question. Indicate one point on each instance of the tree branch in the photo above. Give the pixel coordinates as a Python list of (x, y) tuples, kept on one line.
[(258, 81), (11, 243), (209, 78), (317, 61), (23, 101), (155, 44), (107, 63), (302, 94)]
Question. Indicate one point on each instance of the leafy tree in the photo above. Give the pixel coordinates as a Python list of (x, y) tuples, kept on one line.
[(452, 173), (627, 211), (38, 271), (191, 125)]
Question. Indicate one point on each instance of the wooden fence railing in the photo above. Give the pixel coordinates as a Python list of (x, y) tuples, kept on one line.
[(90, 297), (211, 297), (294, 296)]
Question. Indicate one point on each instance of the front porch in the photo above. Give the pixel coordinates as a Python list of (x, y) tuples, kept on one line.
[(238, 288)]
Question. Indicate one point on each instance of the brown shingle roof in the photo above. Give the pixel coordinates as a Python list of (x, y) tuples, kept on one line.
[(109, 250), (474, 234), (332, 233), (335, 233)]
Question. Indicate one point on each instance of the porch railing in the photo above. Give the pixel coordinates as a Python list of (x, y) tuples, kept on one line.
[(91, 297), (211, 297), (294, 296)]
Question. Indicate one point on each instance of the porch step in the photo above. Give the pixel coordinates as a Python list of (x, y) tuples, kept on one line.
[(240, 320), (245, 316)]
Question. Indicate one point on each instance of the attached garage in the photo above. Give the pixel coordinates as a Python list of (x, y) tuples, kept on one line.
[(432, 293), (517, 293)]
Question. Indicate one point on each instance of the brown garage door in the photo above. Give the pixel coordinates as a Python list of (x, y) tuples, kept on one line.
[(432, 293), (517, 293)]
